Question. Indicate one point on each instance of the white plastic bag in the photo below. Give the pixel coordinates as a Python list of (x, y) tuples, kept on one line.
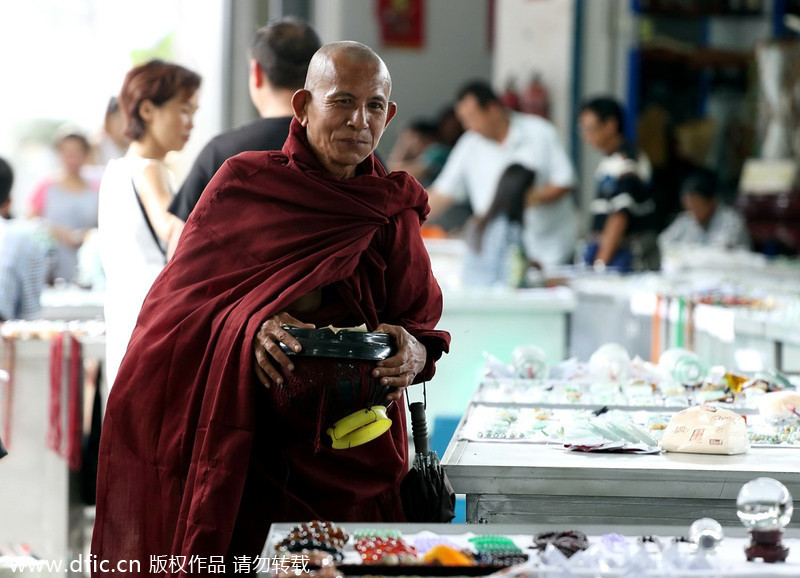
[(705, 429)]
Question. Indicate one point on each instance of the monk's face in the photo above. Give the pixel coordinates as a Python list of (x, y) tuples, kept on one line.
[(345, 112)]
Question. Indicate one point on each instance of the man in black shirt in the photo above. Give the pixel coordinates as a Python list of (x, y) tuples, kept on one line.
[(279, 60)]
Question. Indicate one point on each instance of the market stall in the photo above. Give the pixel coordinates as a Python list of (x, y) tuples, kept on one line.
[(742, 316), (537, 549), (525, 482), (511, 456), (42, 425)]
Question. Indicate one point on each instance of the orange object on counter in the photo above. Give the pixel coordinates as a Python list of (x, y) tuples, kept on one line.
[(444, 555)]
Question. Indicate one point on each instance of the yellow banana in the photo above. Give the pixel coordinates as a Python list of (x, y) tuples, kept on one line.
[(356, 420), (361, 435)]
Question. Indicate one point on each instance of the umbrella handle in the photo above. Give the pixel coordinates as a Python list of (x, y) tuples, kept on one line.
[(424, 396), (419, 427)]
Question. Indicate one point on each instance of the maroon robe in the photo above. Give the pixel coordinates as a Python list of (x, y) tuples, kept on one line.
[(194, 457)]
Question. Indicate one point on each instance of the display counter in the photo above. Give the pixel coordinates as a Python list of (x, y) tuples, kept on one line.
[(533, 478), (529, 482), (742, 319), (71, 303), (603, 314), (493, 322), (655, 549)]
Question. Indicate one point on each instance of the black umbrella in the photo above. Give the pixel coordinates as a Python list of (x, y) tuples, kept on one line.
[(426, 491)]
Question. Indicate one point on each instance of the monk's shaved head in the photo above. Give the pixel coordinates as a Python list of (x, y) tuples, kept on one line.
[(344, 105), (321, 67)]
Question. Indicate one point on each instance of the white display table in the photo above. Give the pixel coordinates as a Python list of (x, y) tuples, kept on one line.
[(493, 322), (529, 479), (71, 303), (526, 482), (624, 309)]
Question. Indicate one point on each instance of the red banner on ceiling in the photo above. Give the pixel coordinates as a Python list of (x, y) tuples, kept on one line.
[(401, 22)]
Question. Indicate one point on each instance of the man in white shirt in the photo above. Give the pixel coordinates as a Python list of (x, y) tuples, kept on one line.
[(496, 138), (23, 260)]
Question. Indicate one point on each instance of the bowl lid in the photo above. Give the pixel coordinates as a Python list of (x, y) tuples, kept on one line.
[(342, 344)]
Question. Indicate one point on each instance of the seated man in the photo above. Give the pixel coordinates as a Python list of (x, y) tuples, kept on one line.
[(23, 259), (623, 227), (202, 448), (705, 221)]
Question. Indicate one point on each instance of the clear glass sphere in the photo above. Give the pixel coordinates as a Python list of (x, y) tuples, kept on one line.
[(706, 534), (764, 504)]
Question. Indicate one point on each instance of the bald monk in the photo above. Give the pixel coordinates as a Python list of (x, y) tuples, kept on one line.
[(200, 452)]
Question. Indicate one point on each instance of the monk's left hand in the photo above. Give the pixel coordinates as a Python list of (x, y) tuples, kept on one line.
[(400, 370)]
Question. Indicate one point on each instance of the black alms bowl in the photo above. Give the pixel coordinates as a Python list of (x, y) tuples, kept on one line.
[(343, 344)]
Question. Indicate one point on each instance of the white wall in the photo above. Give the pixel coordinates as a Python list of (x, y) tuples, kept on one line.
[(424, 80), (537, 37)]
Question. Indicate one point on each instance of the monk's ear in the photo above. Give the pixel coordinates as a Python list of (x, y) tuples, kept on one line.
[(300, 101), (391, 110)]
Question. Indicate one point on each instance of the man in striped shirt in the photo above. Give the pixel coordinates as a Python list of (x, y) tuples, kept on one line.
[(23, 260), (623, 211)]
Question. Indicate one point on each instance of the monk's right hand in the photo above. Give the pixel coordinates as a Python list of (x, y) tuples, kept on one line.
[(267, 350)]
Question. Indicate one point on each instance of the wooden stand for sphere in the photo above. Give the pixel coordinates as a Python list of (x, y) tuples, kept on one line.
[(766, 544)]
